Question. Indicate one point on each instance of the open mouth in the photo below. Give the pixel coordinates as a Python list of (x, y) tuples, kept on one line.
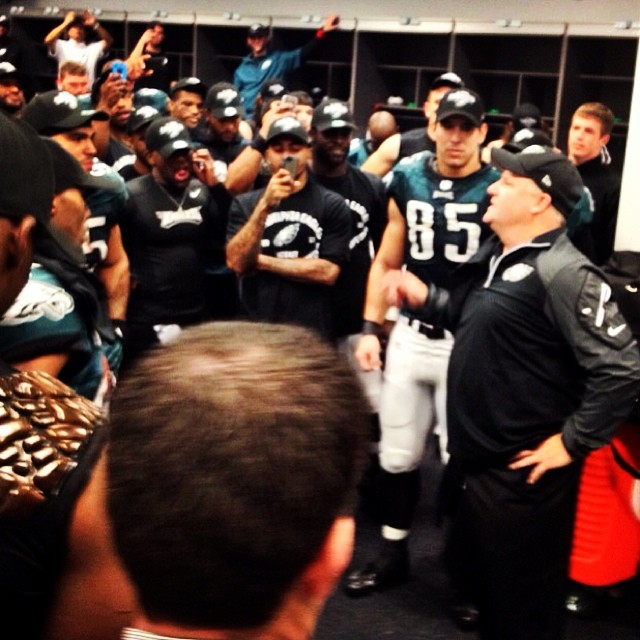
[(181, 175)]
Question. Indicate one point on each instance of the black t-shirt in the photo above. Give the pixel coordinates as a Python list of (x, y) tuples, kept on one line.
[(128, 172), (312, 223), (604, 184), (365, 197), (223, 153), (117, 150), (167, 234), (414, 141)]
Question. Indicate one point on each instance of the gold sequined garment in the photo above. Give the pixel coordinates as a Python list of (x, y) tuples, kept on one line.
[(44, 425)]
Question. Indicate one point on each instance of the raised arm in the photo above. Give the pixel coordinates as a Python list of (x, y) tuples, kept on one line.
[(381, 161), (56, 32), (91, 23), (244, 248)]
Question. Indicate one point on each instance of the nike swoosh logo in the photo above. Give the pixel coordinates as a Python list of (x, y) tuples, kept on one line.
[(614, 331), (194, 193)]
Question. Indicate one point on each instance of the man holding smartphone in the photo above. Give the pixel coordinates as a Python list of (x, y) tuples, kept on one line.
[(289, 241)]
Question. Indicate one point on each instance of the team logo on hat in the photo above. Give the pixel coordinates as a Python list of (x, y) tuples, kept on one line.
[(287, 124), (171, 129), (523, 134), (226, 95), (66, 98), (451, 77), (460, 98), (336, 109), (534, 148), (147, 111)]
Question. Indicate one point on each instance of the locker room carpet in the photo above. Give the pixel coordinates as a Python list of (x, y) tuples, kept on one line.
[(418, 610)]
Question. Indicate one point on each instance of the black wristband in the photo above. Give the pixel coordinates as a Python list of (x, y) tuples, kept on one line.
[(370, 328), (259, 144)]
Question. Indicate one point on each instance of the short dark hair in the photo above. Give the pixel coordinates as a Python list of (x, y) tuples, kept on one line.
[(232, 451), (303, 98)]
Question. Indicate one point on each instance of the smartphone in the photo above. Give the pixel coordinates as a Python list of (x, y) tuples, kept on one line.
[(290, 163), (155, 63), (120, 68), (288, 99)]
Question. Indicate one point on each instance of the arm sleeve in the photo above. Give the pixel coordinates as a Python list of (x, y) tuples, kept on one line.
[(579, 302), (239, 212), (40, 321), (337, 232)]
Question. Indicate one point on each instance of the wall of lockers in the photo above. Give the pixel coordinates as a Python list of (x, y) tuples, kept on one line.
[(554, 65)]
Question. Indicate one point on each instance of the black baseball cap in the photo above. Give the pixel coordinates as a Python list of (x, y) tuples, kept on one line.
[(190, 84), (140, 117), (69, 173), (449, 79), (526, 116), (55, 111), (155, 98), (224, 101), (24, 153), (526, 138), (461, 102), (332, 114), (551, 170), (257, 30), (288, 127), (272, 88), (167, 135), (8, 70)]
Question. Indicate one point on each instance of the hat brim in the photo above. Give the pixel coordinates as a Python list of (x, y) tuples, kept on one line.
[(82, 119), (227, 112), (335, 124), (198, 89), (503, 159), (288, 134), (169, 149), (476, 122)]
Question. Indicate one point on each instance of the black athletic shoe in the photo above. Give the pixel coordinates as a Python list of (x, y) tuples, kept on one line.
[(465, 615), (388, 571)]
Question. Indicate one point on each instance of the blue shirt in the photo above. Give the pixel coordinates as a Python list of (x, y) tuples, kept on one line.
[(253, 72)]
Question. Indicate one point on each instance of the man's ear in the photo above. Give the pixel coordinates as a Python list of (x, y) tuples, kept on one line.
[(324, 572), (20, 244), (484, 129), (152, 158), (604, 140), (543, 202)]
